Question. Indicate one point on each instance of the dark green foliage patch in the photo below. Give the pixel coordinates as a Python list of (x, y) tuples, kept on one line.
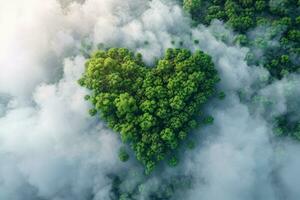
[(153, 108), (285, 127), (277, 33), (269, 28)]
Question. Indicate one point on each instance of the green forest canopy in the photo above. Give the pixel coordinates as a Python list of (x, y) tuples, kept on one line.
[(153, 108), (279, 20), (270, 29)]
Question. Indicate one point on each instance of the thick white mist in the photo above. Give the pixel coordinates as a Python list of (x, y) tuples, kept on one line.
[(51, 149)]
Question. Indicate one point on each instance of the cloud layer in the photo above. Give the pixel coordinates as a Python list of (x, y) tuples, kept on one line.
[(50, 149)]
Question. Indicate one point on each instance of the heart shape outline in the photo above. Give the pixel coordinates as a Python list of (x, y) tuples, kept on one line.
[(153, 108)]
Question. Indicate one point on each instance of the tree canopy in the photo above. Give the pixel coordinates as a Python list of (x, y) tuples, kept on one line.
[(269, 28), (277, 21), (153, 108)]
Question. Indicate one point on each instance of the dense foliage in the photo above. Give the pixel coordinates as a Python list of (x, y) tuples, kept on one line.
[(285, 127), (155, 108), (167, 189), (274, 24), (269, 28)]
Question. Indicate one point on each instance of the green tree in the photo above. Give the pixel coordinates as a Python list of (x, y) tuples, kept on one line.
[(152, 108), (123, 155)]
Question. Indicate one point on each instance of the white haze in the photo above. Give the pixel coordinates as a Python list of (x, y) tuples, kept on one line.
[(50, 149)]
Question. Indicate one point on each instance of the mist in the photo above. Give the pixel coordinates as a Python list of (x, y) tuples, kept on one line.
[(51, 149)]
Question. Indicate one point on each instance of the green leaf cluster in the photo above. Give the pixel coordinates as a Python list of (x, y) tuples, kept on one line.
[(279, 20), (271, 30), (284, 127), (153, 108), (123, 155), (166, 189)]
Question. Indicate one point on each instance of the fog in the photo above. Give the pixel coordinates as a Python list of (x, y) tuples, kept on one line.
[(51, 149)]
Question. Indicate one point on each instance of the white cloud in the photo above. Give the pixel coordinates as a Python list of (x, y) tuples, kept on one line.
[(51, 149)]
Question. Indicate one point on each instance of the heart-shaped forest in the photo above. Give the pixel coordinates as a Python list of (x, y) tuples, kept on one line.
[(153, 108)]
